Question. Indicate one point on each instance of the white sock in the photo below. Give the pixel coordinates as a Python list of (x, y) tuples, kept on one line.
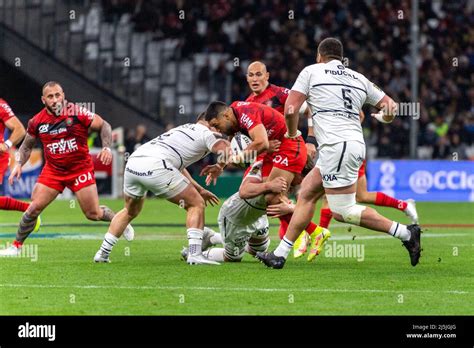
[(217, 239), (284, 248), (195, 241), (215, 254), (108, 243), (399, 231)]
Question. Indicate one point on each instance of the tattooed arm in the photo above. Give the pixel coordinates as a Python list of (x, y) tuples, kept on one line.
[(99, 124), (22, 156)]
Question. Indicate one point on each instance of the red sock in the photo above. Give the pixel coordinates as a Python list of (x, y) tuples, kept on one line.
[(386, 201), (325, 218), (17, 244), (8, 203), (311, 227), (285, 221)]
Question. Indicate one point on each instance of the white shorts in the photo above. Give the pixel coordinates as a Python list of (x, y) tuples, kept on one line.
[(143, 174), (235, 237), (339, 163)]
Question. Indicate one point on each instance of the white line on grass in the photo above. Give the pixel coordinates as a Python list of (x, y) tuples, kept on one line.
[(177, 236), (200, 288)]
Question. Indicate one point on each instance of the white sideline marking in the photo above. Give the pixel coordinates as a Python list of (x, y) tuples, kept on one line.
[(200, 288), (157, 236)]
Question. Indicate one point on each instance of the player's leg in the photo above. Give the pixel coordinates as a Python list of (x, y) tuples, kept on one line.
[(86, 193), (311, 191), (383, 200), (194, 204), (325, 214), (9, 203), (260, 239), (41, 197), (340, 186), (273, 198), (121, 220), (235, 239), (88, 200)]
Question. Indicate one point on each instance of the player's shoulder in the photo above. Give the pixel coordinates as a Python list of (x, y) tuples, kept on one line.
[(313, 67), (279, 89), (356, 73), (39, 116), (5, 109)]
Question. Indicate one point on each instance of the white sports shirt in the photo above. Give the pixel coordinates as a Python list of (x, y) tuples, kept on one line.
[(180, 146), (244, 212), (335, 95)]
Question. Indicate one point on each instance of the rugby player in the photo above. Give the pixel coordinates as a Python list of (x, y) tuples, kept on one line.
[(10, 121), (336, 95), (62, 128), (159, 166), (264, 92)]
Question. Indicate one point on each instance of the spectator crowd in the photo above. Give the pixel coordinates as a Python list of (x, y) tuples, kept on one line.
[(376, 38)]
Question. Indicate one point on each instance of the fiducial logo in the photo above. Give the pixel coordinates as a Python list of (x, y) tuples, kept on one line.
[(387, 180)]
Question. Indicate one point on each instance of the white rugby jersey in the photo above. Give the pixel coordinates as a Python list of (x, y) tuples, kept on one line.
[(180, 146), (335, 95), (244, 212)]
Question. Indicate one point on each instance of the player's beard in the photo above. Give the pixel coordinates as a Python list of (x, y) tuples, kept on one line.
[(57, 109)]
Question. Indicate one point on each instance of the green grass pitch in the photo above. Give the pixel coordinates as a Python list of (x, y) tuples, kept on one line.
[(147, 277)]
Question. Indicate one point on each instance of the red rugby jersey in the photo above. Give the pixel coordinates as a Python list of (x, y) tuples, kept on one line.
[(251, 114), (64, 138), (273, 96), (5, 114)]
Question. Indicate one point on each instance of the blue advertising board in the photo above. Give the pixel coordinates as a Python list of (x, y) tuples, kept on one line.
[(436, 181), (23, 187)]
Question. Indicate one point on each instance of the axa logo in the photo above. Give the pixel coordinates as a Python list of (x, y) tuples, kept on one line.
[(246, 121), (63, 146), (329, 177), (43, 128)]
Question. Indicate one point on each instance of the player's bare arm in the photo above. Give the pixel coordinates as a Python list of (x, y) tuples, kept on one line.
[(387, 110), (259, 143), (292, 107), (253, 187), (222, 149), (22, 157), (99, 124), (285, 207), (208, 196), (18, 133)]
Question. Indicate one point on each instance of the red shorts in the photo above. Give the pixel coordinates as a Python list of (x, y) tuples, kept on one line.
[(74, 181), (291, 156), (362, 169)]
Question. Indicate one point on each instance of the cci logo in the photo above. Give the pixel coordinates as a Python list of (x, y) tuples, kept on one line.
[(422, 181), (387, 180)]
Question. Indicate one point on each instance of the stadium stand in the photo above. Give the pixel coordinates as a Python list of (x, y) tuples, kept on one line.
[(170, 58)]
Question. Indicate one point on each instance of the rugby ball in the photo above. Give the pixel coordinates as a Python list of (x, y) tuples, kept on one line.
[(239, 143)]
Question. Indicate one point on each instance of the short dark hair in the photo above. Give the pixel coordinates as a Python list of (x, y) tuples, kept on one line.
[(330, 48), (50, 84), (214, 109)]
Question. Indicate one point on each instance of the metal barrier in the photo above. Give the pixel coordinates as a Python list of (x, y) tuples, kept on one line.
[(147, 73)]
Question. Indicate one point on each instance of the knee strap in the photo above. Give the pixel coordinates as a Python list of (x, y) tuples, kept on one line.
[(346, 206)]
